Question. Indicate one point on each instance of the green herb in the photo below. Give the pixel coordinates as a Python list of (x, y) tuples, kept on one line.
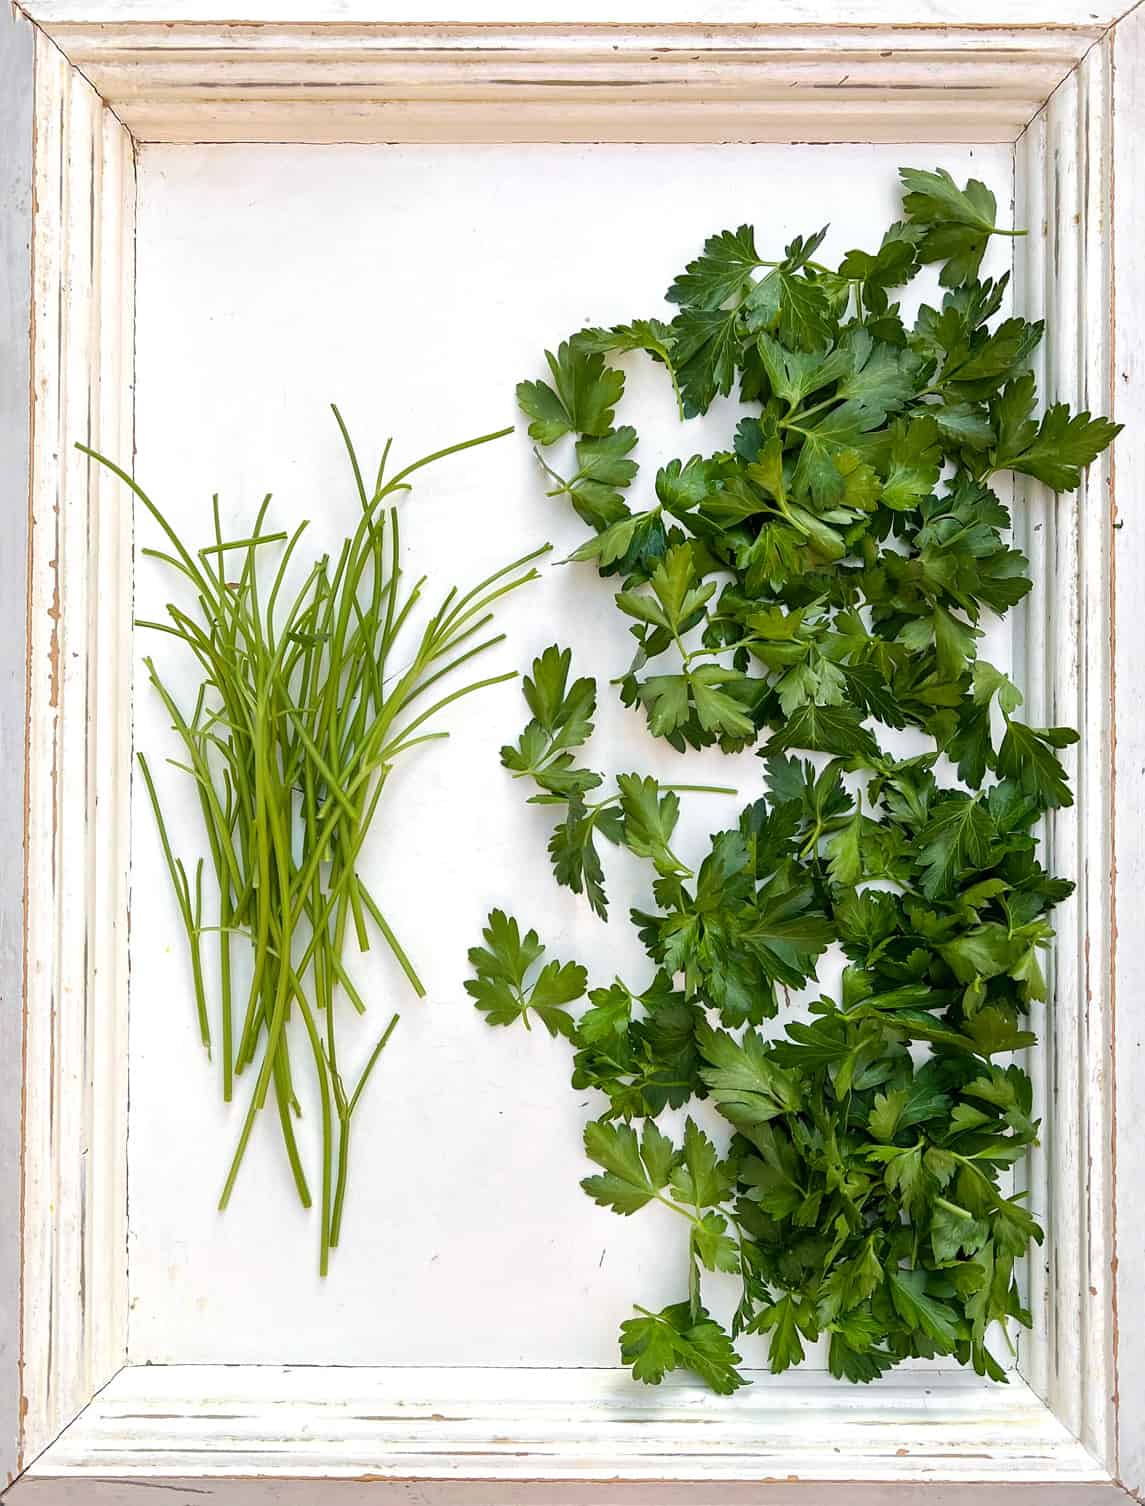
[(302, 711), (641, 815), (823, 578), (502, 965)]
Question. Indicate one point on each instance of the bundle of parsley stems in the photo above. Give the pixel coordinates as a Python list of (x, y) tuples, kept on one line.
[(295, 729)]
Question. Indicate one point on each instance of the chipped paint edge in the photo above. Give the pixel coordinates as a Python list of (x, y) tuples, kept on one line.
[(1127, 376), (73, 1268), (16, 109)]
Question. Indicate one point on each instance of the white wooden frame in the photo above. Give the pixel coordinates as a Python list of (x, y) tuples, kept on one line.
[(1066, 84)]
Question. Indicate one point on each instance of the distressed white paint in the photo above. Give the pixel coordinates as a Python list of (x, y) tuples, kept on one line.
[(1128, 473), (16, 42), (1037, 14), (1078, 1379), (866, 118), (458, 265), (864, 77), (575, 83), (1032, 626), (73, 1267), (589, 1425), (1063, 167)]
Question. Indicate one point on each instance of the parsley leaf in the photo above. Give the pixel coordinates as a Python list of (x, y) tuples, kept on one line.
[(742, 1080), (582, 399), (502, 965), (956, 838), (1027, 756), (562, 720), (959, 221), (678, 1339), (1054, 451), (603, 472), (634, 1170), (721, 272)]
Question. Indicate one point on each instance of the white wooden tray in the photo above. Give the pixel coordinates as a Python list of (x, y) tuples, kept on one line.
[(1055, 88)]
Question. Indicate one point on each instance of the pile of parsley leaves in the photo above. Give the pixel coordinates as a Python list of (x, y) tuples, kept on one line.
[(823, 578)]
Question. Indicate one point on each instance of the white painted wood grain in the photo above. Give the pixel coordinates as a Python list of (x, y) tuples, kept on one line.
[(455, 267), (593, 1426), (401, 122), (109, 741), (40, 938), (1042, 14), (1128, 469), (581, 82), (1033, 522), (73, 1261), (1064, 165), (15, 311)]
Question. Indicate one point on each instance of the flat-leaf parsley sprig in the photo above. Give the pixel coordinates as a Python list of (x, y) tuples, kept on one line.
[(641, 814)]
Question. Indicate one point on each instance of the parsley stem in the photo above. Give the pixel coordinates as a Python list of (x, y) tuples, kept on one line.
[(786, 423), (678, 789), (676, 1208), (701, 789)]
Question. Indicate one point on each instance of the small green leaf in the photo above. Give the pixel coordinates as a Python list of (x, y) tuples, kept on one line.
[(959, 221), (845, 852), (916, 1307), (743, 1082), (707, 346), (608, 1019), (721, 272), (916, 459), (1057, 450), (626, 1184), (956, 838), (502, 965), (699, 1177), (784, 1320), (713, 1246), (989, 682), (1027, 756), (585, 396), (825, 729), (717, 711), (680, 1339), (649, 821)]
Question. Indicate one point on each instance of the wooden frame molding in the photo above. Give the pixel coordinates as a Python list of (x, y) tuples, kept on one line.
[(1064, 177), (513, 1427), (1069, 92), (573, 83), (1127, 755), (74, 1192), (17, 42)]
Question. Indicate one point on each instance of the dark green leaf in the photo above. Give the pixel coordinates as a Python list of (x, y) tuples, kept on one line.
[(581, 401), (678, 1339)]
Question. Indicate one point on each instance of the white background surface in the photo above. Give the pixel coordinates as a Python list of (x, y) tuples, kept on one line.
[(416, 286)]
